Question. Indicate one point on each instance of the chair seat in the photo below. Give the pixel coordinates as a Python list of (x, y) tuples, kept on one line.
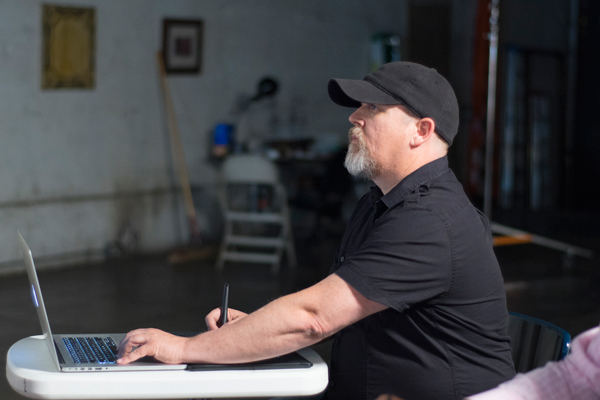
[(250, 257), (254, 217), (256, 241)]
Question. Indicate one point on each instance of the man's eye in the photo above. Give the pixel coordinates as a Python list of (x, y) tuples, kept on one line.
[(372, 107)]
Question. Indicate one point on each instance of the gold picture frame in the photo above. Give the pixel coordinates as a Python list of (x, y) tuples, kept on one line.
[(69, 43)]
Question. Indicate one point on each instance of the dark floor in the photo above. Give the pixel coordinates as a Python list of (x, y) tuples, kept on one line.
[(147, 291)]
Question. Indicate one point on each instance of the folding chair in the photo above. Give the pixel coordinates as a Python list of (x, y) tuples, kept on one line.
[(256, 213)]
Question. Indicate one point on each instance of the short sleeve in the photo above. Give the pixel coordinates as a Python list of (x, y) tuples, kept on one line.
[(406, 259)]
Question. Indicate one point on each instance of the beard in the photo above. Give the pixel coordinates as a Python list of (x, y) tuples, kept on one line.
[(359, 160)]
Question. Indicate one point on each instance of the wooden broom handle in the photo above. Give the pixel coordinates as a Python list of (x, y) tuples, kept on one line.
[(177, 149)]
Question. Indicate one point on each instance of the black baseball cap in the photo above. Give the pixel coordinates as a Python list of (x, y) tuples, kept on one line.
[(420, 89)]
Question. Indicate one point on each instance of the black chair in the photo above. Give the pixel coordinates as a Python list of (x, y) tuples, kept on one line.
[(534, 342)]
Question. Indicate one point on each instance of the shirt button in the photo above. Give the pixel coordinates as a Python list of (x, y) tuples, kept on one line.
[(342, 259)]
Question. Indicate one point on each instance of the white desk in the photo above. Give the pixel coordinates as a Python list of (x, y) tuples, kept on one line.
[(31, 373)]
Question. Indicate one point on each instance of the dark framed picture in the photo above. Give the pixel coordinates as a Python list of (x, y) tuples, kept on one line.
[(182, 46)]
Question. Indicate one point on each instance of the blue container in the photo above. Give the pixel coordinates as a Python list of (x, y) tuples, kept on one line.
[(223, 134)]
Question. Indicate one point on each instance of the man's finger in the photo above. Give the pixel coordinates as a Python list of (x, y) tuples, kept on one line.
[(132, 340), (126, 345), (212, 319), (136, 354)]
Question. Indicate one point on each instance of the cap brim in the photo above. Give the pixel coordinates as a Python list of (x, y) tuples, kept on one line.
[(351, 93)]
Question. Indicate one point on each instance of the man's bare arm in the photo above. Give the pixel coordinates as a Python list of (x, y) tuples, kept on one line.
[(282, 326)]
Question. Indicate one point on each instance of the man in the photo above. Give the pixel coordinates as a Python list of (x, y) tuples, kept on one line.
[(415, 297)]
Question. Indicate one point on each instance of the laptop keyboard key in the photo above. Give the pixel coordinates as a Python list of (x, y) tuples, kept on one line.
[(96, 350), (69, 344), (87, 350), (110, 356), (77, 352), (111, 344), (91, 350)]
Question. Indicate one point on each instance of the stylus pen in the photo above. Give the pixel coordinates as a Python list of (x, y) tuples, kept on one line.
[(224, 306)]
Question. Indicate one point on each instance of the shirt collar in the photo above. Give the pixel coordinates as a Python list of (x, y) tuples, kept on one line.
[(409, 184)]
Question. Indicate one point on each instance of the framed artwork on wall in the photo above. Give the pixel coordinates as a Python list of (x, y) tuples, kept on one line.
[(182, 46), (69, 42)]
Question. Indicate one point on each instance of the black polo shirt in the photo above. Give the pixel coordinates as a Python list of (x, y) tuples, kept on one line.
[(424, 251)]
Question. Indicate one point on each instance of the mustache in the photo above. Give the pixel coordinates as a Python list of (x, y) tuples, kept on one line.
[(354, 131)]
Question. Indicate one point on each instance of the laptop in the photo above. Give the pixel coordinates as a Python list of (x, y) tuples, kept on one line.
[(82, 353)]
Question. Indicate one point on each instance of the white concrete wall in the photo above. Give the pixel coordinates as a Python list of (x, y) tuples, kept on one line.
[(76, 165)]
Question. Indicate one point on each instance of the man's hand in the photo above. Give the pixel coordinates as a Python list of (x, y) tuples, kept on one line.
[(151, 342), (213, 319)]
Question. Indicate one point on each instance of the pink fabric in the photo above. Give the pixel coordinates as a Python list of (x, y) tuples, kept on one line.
[(575, 377)]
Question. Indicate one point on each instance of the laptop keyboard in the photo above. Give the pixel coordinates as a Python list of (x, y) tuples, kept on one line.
[(85, 350)]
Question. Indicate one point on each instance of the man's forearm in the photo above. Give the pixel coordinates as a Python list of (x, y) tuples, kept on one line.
[(280, 327)]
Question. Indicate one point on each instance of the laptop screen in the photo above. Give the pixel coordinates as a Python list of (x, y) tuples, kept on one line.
[(38, 300)]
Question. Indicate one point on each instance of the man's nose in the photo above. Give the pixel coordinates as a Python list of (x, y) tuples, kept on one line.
[(355, 119)]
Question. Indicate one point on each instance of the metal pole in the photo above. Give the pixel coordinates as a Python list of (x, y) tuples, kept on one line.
[(571, 93), (491, 111)]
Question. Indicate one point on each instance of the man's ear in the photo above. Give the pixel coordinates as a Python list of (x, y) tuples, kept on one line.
[(425, 131)]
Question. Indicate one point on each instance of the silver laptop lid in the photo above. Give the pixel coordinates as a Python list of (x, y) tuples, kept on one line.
[(36, 297)]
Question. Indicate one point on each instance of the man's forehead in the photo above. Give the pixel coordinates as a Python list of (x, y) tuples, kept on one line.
[(385, 105), (401, 107)]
